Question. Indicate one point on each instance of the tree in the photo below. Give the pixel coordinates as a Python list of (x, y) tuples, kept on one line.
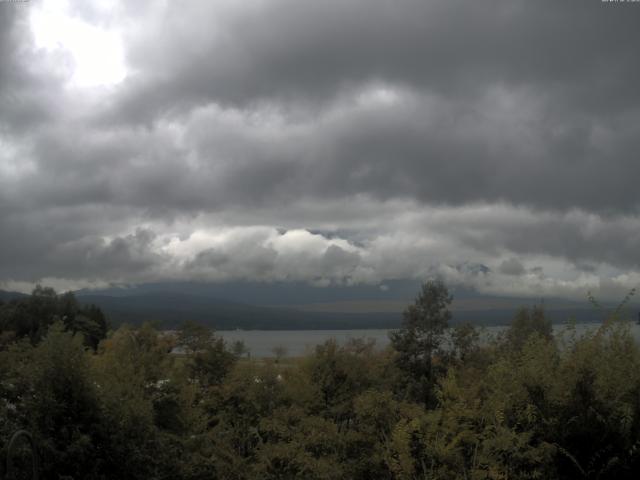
[(194, 337), (526, 323), (209, 360), (64, 410), (32, 316), (239, 349), (210, 365), (464, 341), (297, 445), (419, 338), (147, 404), (280, 351), (340, 373)]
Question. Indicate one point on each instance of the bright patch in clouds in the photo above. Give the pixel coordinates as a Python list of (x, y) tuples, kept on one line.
[(97, 53), (13, 162), (379, 96)]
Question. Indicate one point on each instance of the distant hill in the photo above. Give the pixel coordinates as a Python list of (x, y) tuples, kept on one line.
[(169, 308), (273, 307), (5, 296), (273, 293)]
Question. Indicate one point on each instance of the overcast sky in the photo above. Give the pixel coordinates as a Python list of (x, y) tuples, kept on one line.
[(492, 142)]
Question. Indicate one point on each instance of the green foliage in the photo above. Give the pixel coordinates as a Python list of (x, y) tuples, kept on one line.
[(528, 322), (525, 406), (60, 404), (339, 374), (193, 337), (208, 359), (464, 342), (294, 445), (32, 316), (418, 341), (211, 365), (146, 403)]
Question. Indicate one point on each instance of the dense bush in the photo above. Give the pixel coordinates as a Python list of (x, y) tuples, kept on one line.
[(522, 405)]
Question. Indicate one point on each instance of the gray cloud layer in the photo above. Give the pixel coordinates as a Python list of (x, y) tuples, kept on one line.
[(415, 136)]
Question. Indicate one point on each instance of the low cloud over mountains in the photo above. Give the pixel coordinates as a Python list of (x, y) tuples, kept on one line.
[(336, 142)]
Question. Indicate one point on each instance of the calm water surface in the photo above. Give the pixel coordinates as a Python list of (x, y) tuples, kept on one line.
[(261, 343)]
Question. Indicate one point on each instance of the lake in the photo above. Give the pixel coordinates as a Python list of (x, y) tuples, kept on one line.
[(301, 342)]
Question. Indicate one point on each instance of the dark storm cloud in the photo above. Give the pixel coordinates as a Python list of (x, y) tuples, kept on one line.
[(63, 242), (500, 75), (512, 266), (614, 242), (382, 125), (576, 236), (287, 49), (536, 102)]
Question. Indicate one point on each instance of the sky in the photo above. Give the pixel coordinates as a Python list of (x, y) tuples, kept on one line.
[(492, 143)]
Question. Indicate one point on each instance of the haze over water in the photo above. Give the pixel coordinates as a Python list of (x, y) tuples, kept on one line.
[(261, 343)]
